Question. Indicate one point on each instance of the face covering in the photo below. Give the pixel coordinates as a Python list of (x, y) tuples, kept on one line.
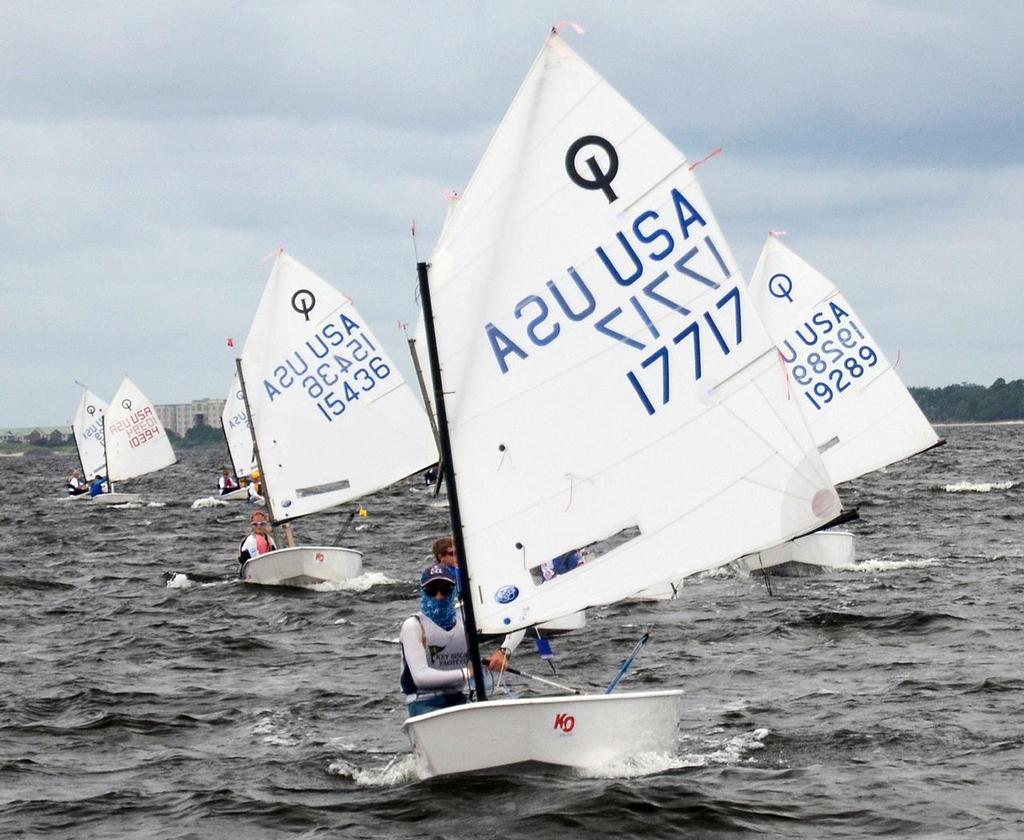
[(439, 610)]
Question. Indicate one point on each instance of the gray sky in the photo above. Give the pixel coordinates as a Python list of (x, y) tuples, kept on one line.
[(153, 153)]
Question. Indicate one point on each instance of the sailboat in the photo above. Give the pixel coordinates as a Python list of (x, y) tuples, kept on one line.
[(598, 371), (135, 441), (87, 428), (332, 419), (238, 437), (861, 416)]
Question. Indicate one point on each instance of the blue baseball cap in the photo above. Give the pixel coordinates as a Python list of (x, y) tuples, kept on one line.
[(437, 571)]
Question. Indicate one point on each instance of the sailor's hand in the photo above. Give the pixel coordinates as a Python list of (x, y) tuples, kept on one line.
[(498, 662)]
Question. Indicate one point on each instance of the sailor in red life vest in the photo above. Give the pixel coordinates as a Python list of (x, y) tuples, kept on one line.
[(435, 666), (226, 482), (259, 541)]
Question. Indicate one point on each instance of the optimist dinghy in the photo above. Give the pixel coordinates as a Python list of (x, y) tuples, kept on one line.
[(330, 415), (589, 341)]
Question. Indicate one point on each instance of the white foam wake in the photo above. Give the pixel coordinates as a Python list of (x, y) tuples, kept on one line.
[(359, 583), (208, 502), (977, 487)]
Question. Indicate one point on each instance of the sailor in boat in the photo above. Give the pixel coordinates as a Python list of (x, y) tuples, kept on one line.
[(254, 489), (76, 484), (430, 476), (226, 482), (258, 541), (435, 660), (96, 488)]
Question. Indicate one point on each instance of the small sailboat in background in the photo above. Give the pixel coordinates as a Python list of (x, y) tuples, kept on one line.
[(860, 415), (598, 371), (332, 419), (87, 428), (238, 437), (135, 441)]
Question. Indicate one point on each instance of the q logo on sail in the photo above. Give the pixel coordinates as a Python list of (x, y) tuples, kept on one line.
[(303, 302), (781, 286), (601, 180)]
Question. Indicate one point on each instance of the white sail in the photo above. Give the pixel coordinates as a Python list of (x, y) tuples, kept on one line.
[(136, 441), (861, 416), (235, 422), (332, 416), (88, 430), (604, 371)]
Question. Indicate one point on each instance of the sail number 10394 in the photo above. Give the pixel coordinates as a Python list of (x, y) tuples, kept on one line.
[(711, 329)]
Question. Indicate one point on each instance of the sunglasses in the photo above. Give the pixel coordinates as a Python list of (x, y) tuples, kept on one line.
[(432, 588), (256, 522)]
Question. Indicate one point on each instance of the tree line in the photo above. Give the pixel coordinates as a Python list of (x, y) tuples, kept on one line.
[(967, 403)]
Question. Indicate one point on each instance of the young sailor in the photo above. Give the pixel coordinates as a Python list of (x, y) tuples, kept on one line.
[(96, 488), (435, 666), (258, 541), (226, 482), (76, 485)]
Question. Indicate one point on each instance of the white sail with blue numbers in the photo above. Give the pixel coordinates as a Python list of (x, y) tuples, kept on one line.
[(860, 414), (235, 422), (606, 376), (88, 430), (331, 414)]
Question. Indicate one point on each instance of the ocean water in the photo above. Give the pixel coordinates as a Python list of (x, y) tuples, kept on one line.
[(886, 700)]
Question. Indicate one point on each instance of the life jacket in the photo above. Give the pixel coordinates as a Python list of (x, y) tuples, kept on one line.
[(446, 651)]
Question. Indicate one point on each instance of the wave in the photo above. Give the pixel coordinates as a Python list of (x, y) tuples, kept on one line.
[(360, 583), (208, 502), (978, 487)]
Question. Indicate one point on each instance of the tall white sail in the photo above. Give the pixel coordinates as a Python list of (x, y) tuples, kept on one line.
[(235, 422), (332, 416), (136, 441), (603, 368), (88, 430), (861, 416)]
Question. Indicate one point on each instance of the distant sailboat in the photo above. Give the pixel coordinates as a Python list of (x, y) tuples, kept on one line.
[(861, 416), (87, 428), (238, 437), (332, 419), (598, 370), (135, 440)]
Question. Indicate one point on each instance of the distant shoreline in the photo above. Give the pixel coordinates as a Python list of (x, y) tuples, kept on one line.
[(981, 423)]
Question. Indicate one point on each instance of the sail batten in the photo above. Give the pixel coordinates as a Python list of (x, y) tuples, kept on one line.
[(331, 414)]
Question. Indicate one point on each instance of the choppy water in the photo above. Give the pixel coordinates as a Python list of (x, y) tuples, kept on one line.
[(877, 702)]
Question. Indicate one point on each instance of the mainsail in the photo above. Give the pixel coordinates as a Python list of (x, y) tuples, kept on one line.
[(604, 371), (861, 416), (88, 430), (332, 417), (235, 422), (136, 441)]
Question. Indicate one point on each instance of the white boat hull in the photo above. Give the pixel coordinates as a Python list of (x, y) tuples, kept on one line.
[(823, 550), (582, 731), (239, 495), (303, 566), (116, 498)]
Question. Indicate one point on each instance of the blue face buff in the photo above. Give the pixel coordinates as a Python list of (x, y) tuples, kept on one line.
[(439, 610)]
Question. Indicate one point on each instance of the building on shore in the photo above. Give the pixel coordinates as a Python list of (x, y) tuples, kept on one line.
[(184, 416)]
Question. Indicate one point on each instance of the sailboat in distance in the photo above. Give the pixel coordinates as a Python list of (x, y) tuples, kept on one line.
[(135, 440), (600, 377), (331, 416), (860, 415), (88, 431), (238, 437)]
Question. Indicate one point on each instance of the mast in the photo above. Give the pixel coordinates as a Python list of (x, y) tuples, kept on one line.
[(449, 479), (256, 450), (430, 411), (106, 463)]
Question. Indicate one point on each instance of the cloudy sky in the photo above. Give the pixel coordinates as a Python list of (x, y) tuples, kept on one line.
[(152, 154)]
